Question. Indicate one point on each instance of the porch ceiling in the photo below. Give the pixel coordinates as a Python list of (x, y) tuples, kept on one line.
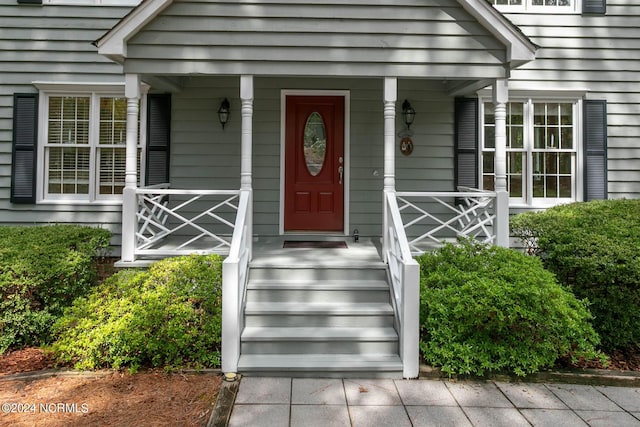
[(465, 41)]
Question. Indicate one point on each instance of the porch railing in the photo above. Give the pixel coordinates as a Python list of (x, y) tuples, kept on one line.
[(433, 218), (235, 270), (181, 222), (405, 283)]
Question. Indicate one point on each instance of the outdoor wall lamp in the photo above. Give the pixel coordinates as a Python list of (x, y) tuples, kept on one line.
[(223, 112), (408, 113)]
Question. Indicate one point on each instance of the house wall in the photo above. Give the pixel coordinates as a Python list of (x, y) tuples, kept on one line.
[(53, 44), (205, 156), (599, 54), (414, 38)]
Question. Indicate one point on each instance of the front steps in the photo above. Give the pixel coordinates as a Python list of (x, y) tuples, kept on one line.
[(319, 321)]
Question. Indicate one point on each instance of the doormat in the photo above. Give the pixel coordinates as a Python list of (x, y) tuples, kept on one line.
[(306, 244)]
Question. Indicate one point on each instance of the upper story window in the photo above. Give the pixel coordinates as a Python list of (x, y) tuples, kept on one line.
[(537, 6), (82, 146), (543, 140), (92, 2)]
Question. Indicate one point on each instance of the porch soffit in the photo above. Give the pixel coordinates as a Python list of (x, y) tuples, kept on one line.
[(518, 49)]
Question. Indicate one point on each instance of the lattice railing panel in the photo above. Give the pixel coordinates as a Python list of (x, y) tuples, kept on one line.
[(432, 218), (177, 222)]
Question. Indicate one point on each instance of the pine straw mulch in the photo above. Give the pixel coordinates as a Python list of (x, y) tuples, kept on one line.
[(149, 398)]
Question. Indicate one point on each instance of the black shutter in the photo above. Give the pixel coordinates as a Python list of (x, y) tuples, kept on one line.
[(158, 138), (25, 143), (466, 142), (595, 149), (594, 6)]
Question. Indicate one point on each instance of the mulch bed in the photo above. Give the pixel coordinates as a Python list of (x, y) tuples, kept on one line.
[(113, 398)]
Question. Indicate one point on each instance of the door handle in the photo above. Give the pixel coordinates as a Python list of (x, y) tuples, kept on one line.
[(340, 173)]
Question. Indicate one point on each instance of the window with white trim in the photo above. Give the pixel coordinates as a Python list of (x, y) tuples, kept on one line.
[(84, 146), (92, 2), (542, 151), (537, 6)]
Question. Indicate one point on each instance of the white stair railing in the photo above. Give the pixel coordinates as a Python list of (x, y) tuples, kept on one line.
[(446, 216), (180, 222), (404, 273), (235, 269)]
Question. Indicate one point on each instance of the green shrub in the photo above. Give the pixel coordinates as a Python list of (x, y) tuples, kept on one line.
[(168, 316), (42, 270), (495, 309), (593, 248)]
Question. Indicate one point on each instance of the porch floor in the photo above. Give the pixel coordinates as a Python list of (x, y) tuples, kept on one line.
[(268, 251)]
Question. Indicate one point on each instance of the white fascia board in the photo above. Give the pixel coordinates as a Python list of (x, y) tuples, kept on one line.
[(114, 43), (520, 49)]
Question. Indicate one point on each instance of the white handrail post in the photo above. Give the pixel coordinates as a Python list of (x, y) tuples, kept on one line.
[(230, 337), (411, 319), (390, 98), (129, 198), (500, 99)]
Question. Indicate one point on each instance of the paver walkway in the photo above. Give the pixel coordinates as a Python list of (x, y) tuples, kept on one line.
[(396, 403)]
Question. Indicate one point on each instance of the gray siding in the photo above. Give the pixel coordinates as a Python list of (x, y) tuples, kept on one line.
[(600, 53), (323, 38), (205, 156), (53, 44)]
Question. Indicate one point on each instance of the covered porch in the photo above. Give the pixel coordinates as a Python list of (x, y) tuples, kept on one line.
[(224, 189)]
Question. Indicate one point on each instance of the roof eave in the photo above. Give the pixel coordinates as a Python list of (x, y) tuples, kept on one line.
[(520, 49), (113, 44)]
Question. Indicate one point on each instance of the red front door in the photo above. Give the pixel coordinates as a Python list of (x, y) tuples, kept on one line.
[(314, 163)]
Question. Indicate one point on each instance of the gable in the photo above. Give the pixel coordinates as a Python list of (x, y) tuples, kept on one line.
[(408, 38)]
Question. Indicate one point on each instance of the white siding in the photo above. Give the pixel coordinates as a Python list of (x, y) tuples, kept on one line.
[(51, 43), (599, 53)]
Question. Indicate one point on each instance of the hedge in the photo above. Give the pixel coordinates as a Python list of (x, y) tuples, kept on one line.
[(168, 316), (593, 248), (488, 309), (42, 270)]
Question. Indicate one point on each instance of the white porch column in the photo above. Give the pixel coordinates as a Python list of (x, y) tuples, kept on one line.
[(129, 202), (500, 99), (390, 98), (246, 164), (246, 98)]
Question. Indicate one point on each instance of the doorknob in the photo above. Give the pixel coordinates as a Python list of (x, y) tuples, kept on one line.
[(340, 172)]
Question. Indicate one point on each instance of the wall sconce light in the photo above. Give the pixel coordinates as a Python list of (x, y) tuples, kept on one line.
[(408, 113), (223, 112)]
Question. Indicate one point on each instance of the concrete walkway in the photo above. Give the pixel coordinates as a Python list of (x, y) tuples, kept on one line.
[(396, 403)]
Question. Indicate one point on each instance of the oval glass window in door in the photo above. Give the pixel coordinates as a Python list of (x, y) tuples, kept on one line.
[(315, 143)]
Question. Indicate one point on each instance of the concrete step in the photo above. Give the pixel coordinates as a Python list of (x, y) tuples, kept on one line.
[(376, 291), (317, 273), (327, 340), (313, 320), (322, 365), (318, 308), (301, 319)]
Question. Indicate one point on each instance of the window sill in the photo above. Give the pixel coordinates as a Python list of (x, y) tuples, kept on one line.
[(81, 202), (520, 207)]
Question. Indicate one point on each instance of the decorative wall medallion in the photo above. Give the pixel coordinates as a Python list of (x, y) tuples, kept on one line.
[(406, 146)]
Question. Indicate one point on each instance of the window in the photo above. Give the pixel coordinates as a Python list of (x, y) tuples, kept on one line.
[(92, 2), (542, 151), (537, 6), (84, 146)]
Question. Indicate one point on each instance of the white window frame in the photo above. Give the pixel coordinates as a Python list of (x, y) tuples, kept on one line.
[(94, 92), (91, 2), (527, 200), (528, 7)]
